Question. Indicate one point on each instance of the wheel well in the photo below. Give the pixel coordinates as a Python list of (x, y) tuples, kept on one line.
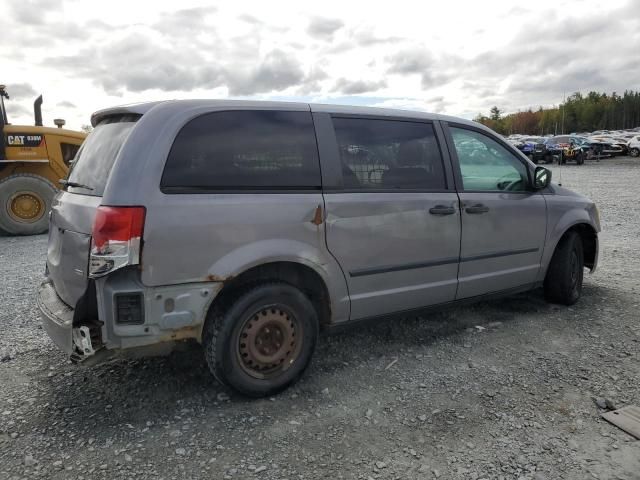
[(589, 239), (296, 274)]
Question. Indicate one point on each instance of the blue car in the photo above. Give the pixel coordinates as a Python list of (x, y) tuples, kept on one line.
[(533, 147)]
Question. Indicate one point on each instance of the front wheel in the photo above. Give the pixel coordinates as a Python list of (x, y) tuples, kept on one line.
[(634, 152), (563, 283), (261, 341)]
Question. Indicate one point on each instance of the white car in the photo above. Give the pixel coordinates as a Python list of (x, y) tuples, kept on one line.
[(634, 146)]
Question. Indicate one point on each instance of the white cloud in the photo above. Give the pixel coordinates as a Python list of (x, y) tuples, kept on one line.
[(453, 57)]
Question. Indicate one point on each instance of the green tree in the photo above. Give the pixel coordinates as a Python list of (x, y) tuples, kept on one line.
[(579, 113)]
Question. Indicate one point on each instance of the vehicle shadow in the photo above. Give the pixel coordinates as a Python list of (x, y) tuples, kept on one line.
[(156, 390)]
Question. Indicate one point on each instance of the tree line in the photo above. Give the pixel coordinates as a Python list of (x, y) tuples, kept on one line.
[(578, 113)]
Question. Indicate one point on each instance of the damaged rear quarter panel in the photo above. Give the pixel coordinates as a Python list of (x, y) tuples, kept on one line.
[(215, 237), (171, 313)]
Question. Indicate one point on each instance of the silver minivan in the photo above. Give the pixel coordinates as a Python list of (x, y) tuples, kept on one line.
[(248, 226)]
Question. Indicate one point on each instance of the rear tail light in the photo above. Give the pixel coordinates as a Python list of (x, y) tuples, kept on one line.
[(116, 239)]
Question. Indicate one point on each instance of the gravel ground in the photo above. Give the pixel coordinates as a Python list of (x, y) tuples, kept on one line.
[(499, 390)]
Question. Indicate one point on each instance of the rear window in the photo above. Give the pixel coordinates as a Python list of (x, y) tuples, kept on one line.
[(244, 150), (94, 160)]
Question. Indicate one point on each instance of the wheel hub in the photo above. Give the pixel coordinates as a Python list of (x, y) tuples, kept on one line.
[(26, 207), (269, 342)]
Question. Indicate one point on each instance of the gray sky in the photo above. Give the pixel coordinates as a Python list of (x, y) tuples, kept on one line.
[(459, 58)]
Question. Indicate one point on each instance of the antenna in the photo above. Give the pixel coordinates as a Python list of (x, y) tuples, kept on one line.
[(562, 125)]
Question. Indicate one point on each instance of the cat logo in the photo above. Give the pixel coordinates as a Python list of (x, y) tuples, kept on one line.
[(23, 140), (15, 139)]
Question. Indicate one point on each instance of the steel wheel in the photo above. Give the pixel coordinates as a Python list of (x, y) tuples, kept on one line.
[(261, 338), (269, 342)]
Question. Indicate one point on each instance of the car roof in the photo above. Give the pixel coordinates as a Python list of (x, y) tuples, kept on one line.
[(142, 108)]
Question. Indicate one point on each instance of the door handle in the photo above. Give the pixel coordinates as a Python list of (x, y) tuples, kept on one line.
[(477, 208), (442, 210)]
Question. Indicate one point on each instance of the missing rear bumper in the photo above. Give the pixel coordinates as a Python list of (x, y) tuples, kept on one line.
[(56, 316), (79, 342)]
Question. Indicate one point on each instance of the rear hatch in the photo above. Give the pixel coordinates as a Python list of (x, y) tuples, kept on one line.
[(74, 209)]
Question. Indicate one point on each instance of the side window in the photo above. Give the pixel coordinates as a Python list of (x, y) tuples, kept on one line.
[(69, 151), (486, 165), (389, 154), (244, 150)]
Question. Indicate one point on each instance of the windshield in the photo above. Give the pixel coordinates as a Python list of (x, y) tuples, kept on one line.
[(94, 160)]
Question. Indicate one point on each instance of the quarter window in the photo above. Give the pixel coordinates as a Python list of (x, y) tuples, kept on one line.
[(389, 154), (486, 165), (244, 150)]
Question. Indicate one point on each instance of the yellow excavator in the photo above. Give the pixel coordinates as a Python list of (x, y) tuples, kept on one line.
[(33, 159)]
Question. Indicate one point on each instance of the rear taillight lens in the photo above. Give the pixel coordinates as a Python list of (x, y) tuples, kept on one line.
[(116, 239)]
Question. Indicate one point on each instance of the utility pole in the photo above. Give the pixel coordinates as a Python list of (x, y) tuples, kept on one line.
[(564, 99)]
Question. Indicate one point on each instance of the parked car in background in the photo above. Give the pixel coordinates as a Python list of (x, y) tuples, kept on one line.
[(533, 147), (605, 146), (565, 148), (634, 146), (247, 226), (621, 142)]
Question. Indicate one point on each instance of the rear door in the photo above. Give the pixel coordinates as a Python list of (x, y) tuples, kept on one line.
[(503, 220), (74, 208), (393, 221)]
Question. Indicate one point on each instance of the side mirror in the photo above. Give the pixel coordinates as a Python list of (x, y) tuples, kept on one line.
[(541, 178)]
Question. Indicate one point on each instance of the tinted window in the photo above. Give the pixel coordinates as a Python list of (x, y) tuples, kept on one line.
[(95, 158), (486, 165), (389, 154), (244, 150), (69, 152)]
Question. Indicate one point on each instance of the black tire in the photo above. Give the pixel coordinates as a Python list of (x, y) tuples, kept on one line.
[(229, 358), (563, 283), (25, 201), (580, 158), (634, 152), (548, 159)]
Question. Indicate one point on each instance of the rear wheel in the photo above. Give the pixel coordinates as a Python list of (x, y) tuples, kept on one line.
[(634, 152), (262, 340), (580, 158), (563, 283), (25, 201)]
